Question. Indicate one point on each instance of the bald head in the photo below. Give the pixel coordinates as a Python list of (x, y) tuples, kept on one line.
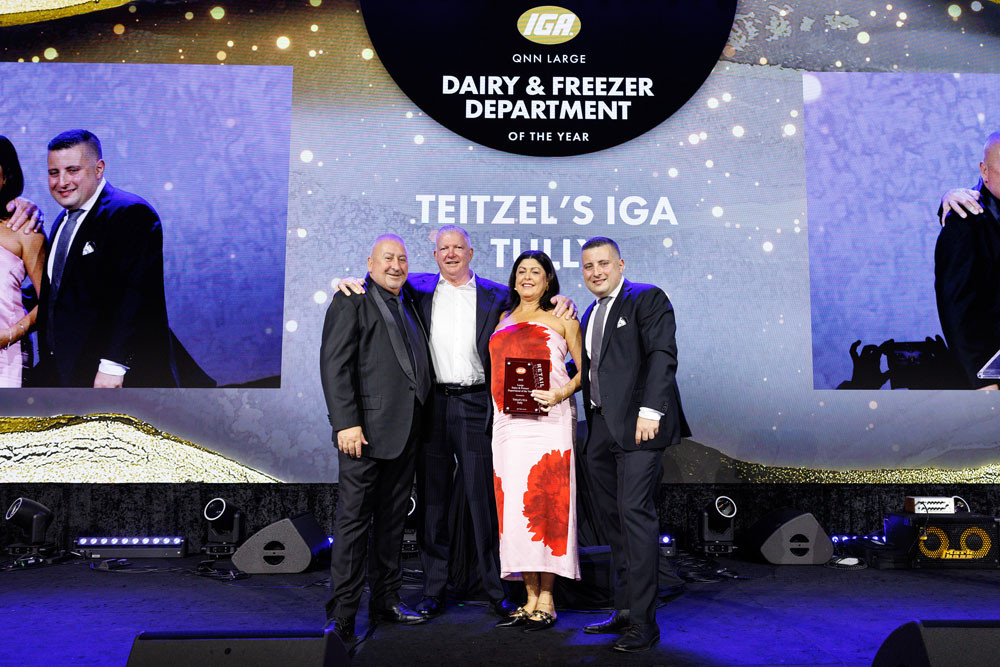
[(387, 263), (989, 168)]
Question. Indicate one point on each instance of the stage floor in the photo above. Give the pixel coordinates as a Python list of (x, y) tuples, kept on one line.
[(68, 614)]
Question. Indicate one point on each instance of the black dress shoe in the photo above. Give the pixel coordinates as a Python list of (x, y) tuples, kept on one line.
[(503, 607), (516, 619), (638, 638), (343, 627), (614, 624), (399, 613), (431, 606), (539, 620)]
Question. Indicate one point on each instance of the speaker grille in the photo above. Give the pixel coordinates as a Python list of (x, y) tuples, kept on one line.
[(945, 540)]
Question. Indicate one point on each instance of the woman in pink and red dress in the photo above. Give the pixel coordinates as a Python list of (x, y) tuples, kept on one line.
[(533, 463)]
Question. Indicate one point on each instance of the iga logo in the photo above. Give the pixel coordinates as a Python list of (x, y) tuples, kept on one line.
[(548, 24)]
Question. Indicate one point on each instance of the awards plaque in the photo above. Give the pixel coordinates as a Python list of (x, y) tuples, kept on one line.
[(520, 377)]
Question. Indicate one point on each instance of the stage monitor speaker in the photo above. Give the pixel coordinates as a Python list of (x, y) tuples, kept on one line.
[(285, 547), (941, 644), (790, 537), (240, 648)]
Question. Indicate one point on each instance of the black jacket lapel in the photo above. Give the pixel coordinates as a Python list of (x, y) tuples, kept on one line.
[(484, 304), (84, 233), (395, 335), (611, 324)]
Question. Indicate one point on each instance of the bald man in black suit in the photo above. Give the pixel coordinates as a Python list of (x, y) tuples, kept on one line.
[(376, 379)]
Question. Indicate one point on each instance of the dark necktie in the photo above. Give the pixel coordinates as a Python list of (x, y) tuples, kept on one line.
[(394, 308), (62, 248), (58, 264), (414, 345), (596, 338)]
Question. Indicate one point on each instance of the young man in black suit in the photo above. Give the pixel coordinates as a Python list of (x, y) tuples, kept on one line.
[(633, 412), (376, 377), (102, 315)]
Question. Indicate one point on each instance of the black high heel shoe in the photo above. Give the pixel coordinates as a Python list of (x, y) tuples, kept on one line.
[(517, 618), (539, 620)]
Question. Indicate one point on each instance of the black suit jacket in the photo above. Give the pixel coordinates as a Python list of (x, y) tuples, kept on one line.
[(363, 373), (110, 303), (967, 285), (638, 366), (490, 299)]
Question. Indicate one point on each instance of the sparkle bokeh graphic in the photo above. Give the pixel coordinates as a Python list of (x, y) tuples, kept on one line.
[(725, 179)]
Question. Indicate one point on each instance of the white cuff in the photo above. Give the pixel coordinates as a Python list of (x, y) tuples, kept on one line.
[(111, 367), (650, 413)]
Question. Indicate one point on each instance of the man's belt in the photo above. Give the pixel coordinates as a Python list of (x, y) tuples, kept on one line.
[(458, 389)]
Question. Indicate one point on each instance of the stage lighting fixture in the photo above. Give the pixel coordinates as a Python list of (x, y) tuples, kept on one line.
[(33, 519), (226, 528), (130, 547), (668, 545), (410, 545), (717, 526)]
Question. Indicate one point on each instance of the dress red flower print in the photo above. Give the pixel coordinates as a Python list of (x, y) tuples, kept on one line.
[(546, 502), (533, 463), (498, 494)]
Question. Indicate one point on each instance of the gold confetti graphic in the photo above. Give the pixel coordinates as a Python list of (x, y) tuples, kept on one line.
[(753, 472), (102, 448), (693, 462), (17, 12)]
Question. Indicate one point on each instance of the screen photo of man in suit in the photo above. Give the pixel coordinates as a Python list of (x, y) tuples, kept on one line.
[(633, 412), (376, 376), (102, 316), (967, 274)]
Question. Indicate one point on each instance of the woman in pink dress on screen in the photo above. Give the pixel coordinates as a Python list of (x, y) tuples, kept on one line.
[(20, 254), (533, 464)]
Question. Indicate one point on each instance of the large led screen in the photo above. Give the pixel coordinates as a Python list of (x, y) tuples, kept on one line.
[(783, 223)]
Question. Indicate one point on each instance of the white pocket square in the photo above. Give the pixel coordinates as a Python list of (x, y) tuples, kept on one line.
[(87, 249), (621, 322)]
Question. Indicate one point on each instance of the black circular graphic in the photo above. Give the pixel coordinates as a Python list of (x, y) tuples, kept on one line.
[(549, 80)]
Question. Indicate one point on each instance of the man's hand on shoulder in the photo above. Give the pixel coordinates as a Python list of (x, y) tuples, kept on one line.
[(350, 440), (350, 286), (108, 381), (564, 307), (646, 429), (962, 201), (26, 216)]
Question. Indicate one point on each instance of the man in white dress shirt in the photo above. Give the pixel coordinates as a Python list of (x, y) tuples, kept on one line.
[(462, 310)]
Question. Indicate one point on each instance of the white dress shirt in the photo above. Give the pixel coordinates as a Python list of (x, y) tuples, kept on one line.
[(644, 412), (453, 334), (106, 366)]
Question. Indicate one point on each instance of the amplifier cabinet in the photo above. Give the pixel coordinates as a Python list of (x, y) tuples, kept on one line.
[(961, 540)]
